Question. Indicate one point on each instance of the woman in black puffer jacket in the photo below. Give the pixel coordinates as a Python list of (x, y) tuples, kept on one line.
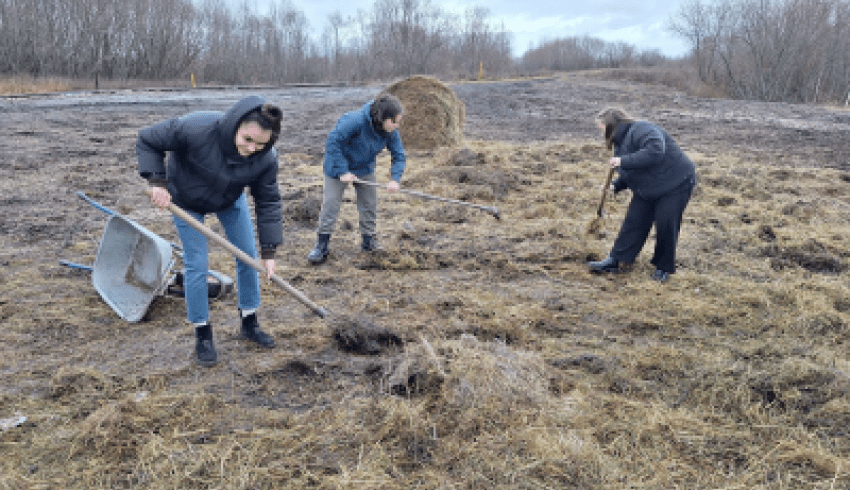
[(212, 158), (661, 178)]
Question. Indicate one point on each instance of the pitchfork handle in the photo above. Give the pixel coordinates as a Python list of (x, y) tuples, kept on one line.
[(489, 209)]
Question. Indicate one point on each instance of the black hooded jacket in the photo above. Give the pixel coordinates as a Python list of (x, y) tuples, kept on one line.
[(651, 163), (206, 173)]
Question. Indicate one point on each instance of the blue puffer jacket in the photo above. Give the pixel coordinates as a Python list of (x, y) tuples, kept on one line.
[(206, 173), (353, 145), (651, 163)]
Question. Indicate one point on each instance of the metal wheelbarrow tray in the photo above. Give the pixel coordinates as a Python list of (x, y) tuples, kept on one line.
[(133, 266)]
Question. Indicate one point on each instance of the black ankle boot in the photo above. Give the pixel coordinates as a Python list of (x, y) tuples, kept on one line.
[(370, 244), (320, 250), (204, 348), (660, 276), (251, 331), (609, 264)]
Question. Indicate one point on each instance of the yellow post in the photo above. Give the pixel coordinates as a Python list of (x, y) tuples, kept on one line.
[(192, 77), (480, 70)]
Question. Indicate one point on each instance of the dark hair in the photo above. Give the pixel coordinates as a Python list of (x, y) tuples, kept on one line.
[(268, 116), (610, 117), (385, 107)]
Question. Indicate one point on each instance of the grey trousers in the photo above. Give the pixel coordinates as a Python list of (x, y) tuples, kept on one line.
[(367, 204)]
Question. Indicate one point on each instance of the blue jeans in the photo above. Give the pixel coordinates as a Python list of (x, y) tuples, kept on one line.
[(239, 229)]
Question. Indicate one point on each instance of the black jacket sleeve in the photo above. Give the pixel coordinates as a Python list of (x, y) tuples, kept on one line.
[(151, 146), (267, 208)]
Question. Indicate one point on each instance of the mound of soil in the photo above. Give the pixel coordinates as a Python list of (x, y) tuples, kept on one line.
[(433, 115), (361, 336)]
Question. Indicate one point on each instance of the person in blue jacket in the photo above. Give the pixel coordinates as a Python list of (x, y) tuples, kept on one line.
[(661, 178), (350, 153), (212, 158)]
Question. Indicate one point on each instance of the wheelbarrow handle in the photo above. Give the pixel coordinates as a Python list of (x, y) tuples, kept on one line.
[(110, 212), (242, 256), (96, 204), (489, 209), (76, 265)]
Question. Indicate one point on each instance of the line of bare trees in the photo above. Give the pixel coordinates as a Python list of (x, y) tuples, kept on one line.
[(77, 38), (404, 37), (772, 50), (586, 53), (220, 42)]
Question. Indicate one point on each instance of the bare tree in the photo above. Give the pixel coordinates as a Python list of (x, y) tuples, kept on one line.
[(335, 24), (701, 23), (784, 50)]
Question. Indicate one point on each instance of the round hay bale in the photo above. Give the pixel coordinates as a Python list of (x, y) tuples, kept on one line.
[(433, 115)]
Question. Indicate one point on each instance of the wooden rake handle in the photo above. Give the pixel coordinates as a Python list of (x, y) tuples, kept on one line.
[(605, 191), (242, 256)]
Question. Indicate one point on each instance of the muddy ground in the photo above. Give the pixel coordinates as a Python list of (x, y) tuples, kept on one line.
[(764, 248)]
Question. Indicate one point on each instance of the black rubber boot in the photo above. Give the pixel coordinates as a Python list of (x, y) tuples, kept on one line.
[(370, 244), (320, 251), (204, 349), (251, 331)]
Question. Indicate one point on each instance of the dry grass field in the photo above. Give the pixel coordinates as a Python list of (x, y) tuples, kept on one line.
[(495, 361), (24, 85)]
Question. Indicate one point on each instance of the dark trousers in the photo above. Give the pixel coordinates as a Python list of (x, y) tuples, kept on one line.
[(666, 212)]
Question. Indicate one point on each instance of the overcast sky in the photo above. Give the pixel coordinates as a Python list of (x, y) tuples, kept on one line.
[(639, 23)]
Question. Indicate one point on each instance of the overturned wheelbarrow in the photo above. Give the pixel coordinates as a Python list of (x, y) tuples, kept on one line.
[(134, 265)]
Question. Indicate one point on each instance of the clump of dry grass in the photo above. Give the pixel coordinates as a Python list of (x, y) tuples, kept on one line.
[(17, 85), (23, 84)]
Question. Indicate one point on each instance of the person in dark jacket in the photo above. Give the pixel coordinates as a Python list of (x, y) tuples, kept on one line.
[(661, 178), (213, 157), (350, 153)]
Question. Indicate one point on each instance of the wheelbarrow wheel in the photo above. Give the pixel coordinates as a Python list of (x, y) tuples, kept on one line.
[(218, 285)]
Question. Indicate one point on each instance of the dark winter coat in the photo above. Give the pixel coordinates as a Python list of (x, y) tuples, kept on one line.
[(206, 173), (651, 163), (354, 143)]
